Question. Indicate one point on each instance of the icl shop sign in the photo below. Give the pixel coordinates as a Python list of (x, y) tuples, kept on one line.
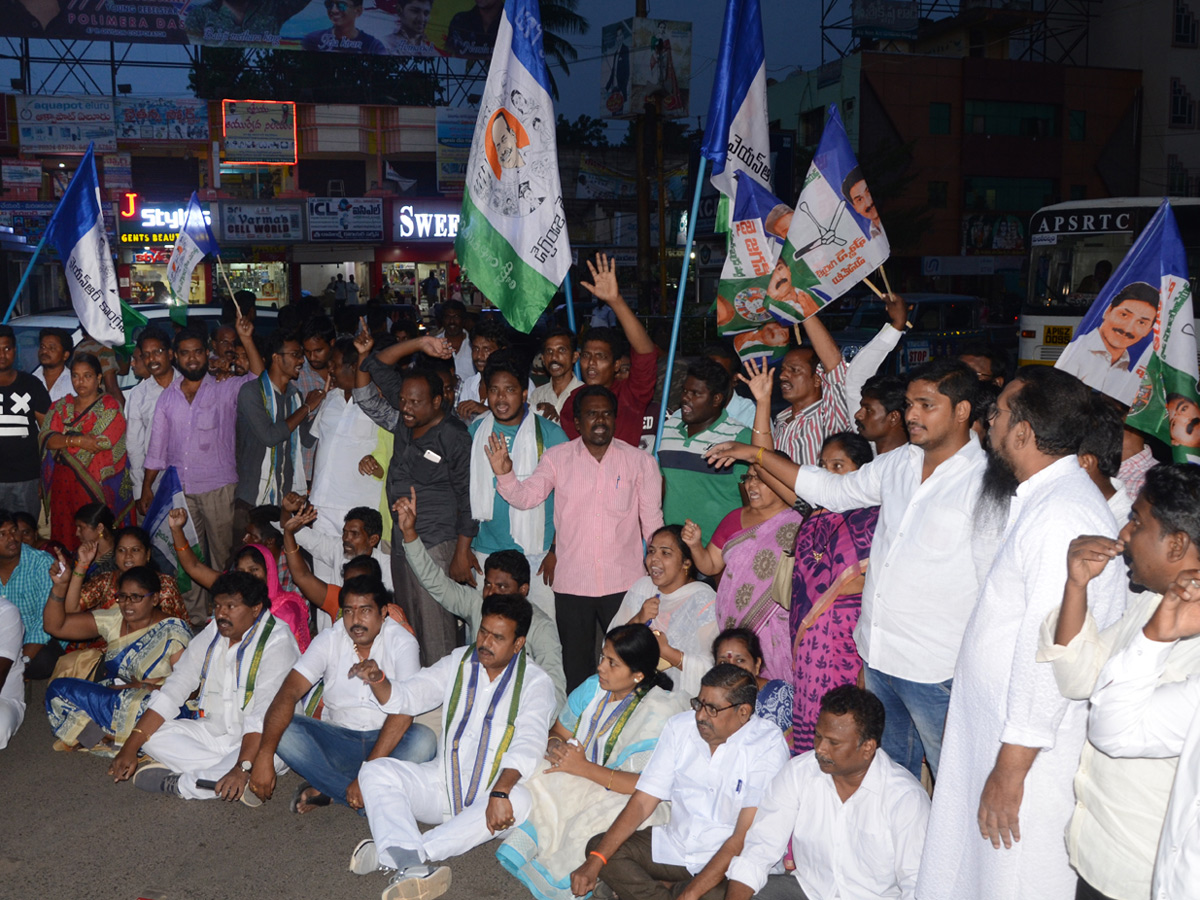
[(143, 223)]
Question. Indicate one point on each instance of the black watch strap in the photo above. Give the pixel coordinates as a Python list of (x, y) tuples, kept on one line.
[(499, 795)]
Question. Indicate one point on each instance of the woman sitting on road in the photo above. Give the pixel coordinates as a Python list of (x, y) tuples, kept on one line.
[(142, 645)]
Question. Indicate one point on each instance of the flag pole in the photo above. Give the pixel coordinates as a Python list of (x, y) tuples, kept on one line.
[(225, 275), (571, 312), (687, 258), (25, 276)]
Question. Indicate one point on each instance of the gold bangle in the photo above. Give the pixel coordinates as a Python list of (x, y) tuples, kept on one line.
[(138, 731), (758, 459), (756, 431), (287, 549)]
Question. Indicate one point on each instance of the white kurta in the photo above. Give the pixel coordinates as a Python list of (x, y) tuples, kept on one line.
[(688, 618), (397, 795), (344, 436), (1002, 694), (139, 415)]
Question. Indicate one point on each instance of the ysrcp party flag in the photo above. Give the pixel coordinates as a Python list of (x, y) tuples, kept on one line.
[(737, 138), (195, 241), (1137, 343), (512, 237), (169, 496), (77, 231), (834, 235)]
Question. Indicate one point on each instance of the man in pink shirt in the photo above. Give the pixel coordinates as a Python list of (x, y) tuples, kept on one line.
[(607, 500)]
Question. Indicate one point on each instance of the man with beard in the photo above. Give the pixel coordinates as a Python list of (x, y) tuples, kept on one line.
[(327, 752), (54, 349), (922, 578), (233, 669), (528, 531), (470, 792), (880, 414), (269, 412), (1120, 804), (607, 500), (155, 348), (362, 532), (559, 357), (316, 339), (715, 766), (1012, 741), (855, 821), (692, 488), (194, 430)]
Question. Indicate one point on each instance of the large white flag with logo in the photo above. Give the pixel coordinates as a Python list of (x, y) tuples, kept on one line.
[(77, 231), (194, 242), (512, 237)]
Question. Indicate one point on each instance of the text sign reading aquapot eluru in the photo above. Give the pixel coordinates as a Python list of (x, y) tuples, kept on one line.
[(345, 219)]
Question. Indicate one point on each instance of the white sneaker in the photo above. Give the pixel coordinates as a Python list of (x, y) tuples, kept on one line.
[(418, 883), (365, 858)]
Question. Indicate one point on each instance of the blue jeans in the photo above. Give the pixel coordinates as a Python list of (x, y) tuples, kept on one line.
[(328, 756), (916, 715)]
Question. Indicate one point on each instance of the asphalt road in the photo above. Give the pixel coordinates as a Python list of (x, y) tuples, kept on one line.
[(67, 831)]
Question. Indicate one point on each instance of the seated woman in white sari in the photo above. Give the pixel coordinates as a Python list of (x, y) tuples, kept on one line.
[(597, 748), (143, 644), (680, 611)]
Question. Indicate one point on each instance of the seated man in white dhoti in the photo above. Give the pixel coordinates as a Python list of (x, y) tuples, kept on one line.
[(233, 668), (855, 820), (497, 707)]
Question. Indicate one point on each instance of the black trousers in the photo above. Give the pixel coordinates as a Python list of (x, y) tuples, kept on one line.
[(582, 622), (1084, 891)]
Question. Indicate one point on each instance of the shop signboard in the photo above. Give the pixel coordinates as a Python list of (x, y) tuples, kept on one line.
[(117, 172), (884, 19), (457, 28), (455, 128), (30, 219), (425, 219), (65, 124), (20, 173), (149, 224), (358, 219), (259, 132), (158, 119), (254, 222)]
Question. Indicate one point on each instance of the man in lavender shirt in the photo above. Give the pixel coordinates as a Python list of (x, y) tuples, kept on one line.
[(193, 430)]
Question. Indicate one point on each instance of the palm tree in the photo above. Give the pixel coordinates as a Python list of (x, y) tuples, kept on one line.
[(559, 17)]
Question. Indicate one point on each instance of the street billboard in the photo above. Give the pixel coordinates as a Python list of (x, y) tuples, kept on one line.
[(644, 59), (157, 119), (455, 128), (65, 124), (457, 28), (259, 132)]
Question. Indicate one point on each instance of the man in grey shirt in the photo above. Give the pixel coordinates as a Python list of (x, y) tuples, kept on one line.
[(269, 409), (504, 572), (432, 453)]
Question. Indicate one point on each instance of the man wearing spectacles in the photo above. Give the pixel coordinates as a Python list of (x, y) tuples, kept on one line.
[(344, 36), (714, 766)]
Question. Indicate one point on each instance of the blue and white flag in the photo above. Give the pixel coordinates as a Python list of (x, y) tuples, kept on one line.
[(737, 138), (169, 496), (77, 231), (194, 242), (512, 236), (1137, 343)]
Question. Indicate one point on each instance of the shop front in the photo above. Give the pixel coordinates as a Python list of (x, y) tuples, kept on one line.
[(342, 234), (257, 245), (146, 233), (422, 232)]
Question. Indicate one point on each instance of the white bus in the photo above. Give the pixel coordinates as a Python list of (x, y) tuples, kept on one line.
[(1073, 247)]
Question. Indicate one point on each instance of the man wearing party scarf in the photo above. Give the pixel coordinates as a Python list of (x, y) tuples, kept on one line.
[(233, 668), (270, 461), (497, 707), (502, 527)]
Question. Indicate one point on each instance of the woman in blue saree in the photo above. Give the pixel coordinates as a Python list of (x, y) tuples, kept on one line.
[(143, 644)]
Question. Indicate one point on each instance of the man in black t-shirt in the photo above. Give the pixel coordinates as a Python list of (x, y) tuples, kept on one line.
[(23, 405)]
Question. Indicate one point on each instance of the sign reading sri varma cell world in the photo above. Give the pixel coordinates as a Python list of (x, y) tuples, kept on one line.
[(456, 28)]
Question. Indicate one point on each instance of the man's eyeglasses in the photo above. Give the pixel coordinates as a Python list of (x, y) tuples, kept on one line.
[(292, 353), (712, 711), (339, 5), (994, 413)]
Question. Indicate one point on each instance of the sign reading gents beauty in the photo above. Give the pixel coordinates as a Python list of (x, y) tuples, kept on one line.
[(345, 219)]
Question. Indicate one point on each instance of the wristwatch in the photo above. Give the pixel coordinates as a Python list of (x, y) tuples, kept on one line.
[(499, 795), (246, 766)]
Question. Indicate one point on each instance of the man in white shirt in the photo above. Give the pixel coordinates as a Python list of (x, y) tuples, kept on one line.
[(328, 752), (12, 671), (1120, 804), (1140, 711), (54, 349), (714, 766), (141, 400), (559, 356), (497, 707), (234, 667), (1012, 740), (362, 532), (921, 580), (855, 820), (343, 433)]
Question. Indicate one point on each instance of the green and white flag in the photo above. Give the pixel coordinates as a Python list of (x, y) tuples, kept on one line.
[(512, 237)]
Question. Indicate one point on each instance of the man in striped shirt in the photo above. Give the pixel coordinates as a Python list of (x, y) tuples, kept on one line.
[(695, 489)]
